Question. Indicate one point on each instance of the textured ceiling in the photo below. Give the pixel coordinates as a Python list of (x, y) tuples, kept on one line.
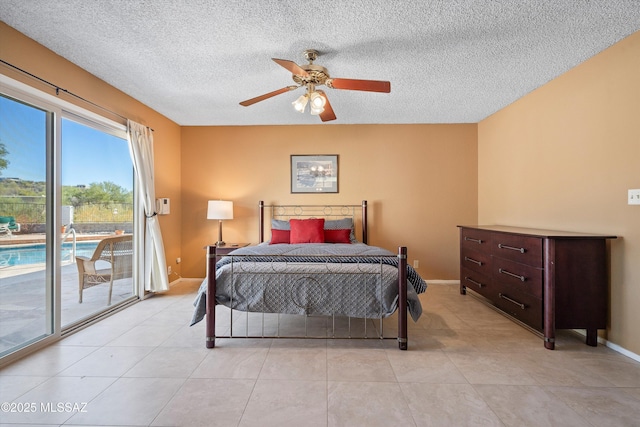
[(449, 61)]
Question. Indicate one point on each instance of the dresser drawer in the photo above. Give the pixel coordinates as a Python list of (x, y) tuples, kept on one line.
[(478, 261), (518, 276), (475, 240), (523, 249), (522, 306), (477, 282)]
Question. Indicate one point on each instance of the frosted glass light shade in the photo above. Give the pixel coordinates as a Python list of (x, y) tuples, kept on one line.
[(317, 103), (300, 103), (317, 100)]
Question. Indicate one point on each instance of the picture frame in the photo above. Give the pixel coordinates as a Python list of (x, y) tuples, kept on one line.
[(314, 173)]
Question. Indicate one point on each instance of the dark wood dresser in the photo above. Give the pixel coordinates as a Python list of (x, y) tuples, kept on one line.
[(546, 279)]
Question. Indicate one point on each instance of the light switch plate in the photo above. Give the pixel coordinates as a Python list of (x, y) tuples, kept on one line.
[(634, 197)]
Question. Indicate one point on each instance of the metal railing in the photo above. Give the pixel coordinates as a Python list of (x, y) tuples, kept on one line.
[(71, 232), (103, 212), (35, 213), (24, 212)]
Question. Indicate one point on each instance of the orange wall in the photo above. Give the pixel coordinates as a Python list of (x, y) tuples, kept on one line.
[(563, 158), (420, 182), (22, 52)]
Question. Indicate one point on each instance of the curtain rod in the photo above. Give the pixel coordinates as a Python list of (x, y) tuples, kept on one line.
[(58, 89)]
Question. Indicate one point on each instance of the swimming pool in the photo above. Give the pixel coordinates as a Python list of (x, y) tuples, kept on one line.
[(35, 253)]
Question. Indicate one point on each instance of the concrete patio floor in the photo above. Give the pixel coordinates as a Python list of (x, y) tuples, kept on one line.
[(23, 299)]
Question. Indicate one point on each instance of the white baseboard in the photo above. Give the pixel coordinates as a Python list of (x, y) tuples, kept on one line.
[(622, 350), (612, 346), (184, 279), (443, 282)]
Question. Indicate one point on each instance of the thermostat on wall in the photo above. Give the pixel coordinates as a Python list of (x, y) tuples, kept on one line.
[(163, 206)]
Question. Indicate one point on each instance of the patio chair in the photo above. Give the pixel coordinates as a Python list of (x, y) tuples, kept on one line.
[(117, 252), (8, 225)]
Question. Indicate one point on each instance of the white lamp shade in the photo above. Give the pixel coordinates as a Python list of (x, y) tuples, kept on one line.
[(220, 209)]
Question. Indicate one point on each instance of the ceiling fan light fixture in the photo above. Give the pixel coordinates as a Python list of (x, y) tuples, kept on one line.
[(316, 111), (317, 100), (317, 103), (300, 103), (308, 77)]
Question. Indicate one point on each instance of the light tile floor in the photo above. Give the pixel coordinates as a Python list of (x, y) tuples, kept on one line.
[(466, 365)]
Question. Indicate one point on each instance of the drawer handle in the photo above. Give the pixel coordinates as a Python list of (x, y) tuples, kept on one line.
[(478, 241), (472, 260), (504, 297), (508, 273), (521, 250), (478, 284)]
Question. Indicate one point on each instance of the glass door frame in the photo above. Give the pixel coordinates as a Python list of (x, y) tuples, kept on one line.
[(78, 119), (56, 109)]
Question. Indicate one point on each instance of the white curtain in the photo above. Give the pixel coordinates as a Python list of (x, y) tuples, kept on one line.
[(155, 264)]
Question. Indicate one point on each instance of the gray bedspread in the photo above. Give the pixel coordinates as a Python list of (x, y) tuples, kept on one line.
[(354, 280)]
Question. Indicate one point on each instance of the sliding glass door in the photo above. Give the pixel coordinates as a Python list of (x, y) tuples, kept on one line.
[(26, 273), (97, 220), (66, 218)]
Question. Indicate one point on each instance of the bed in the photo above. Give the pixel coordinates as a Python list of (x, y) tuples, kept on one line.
[(312, 266)]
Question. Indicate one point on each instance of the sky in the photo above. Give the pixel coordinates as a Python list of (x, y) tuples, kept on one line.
[(88, 155)]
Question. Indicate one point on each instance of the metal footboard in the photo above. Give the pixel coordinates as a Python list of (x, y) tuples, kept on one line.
[(288, 286)]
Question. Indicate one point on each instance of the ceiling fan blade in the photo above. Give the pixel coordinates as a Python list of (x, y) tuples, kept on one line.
[(291, 66), (327, 114), (267, 96), (365, 85)]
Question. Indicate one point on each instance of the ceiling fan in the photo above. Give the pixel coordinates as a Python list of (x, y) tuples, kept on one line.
[(310, 76)]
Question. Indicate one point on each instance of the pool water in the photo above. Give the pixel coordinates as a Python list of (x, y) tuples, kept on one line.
[(35, 253)]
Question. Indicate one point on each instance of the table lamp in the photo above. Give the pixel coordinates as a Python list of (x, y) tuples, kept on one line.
[(220, 210)]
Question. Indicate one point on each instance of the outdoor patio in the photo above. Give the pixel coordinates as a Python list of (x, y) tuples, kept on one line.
[(23, 295)]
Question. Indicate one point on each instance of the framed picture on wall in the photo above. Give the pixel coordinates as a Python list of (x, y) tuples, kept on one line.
[(314, 173)]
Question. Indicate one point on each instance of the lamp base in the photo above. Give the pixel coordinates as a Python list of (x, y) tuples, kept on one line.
[(220, 242)]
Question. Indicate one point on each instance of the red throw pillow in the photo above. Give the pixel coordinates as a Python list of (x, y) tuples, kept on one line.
[(307, 230), (337, 236), (279, 236)]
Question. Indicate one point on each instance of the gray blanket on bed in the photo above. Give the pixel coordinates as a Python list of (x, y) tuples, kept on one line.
[(354, 280)]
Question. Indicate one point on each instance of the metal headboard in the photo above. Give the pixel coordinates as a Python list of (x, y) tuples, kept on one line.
[(286, 212)]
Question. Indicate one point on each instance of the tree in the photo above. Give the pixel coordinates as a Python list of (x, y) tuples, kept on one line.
[(96, 193), (3, 157)]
